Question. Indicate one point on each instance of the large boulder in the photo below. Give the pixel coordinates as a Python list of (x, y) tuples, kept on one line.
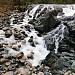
[(56, 62), (45, 21)]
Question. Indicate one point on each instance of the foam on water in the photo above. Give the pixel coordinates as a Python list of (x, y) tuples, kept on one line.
[(40, 51), (68, 10), (56, 35)]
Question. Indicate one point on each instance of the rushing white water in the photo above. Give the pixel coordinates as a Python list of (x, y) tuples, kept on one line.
[(56, 35), (40, 51)]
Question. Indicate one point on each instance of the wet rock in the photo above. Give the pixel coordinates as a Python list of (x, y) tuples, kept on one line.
[(47, 22), (23, 71), (34, 69), (16, 34), (22, 8), (19, 35), (1, 47), (30, 40), (7, 63), (49, 43), (32, 44), (23, 42), (5, 28), (23, 59), (10, 68), (15, 21), (40, 73), (19, 55), (50, 60), (56, 72), (14, 47), (39, 35), (28, 65), (46, 73), (30, 56), (7, 56), (68, 18), (8, 33), (67, 73), (34, 74), (73, 68), (9, 73), (70, 41), (63, 47), (3, 60)]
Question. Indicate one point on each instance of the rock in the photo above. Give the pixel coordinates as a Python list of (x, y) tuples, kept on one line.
[(55, 62), (19, 35), (34, 69), (23, 42), (23, 71), (30, 56), (16, 33), (10, 68), (39, 35), (9, 73), (56, 72), (30, 40), (14, 47), (22, 60), (8, 33), (3, 60), (15, 21), (63, 47), (28, 65), (7, 63), (70, 41), (1, 68), (7, 56), (73, 68), (32, 44), (19, 55), (5, 28), (1, 47), (46, 73), (50, 59), (67, 18), (34, 74), (22, 8), (40, 73), (67, 73), (49, 43), (47, 22)]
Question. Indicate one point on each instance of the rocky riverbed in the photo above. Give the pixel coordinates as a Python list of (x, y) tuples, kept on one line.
[(39, 41)]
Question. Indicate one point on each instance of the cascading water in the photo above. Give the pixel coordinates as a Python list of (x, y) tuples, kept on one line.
[(40, 51), (55, 36)]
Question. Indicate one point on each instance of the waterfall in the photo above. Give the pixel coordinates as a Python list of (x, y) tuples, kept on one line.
[(55, 36)]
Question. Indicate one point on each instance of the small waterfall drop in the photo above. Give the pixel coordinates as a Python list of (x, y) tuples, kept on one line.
[(55, 36)]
